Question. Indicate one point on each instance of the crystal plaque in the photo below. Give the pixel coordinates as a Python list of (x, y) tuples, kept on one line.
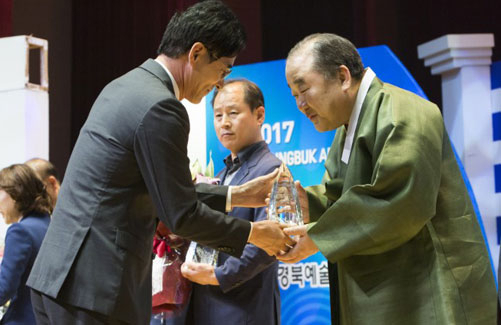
[(198, 253), (284, 203)]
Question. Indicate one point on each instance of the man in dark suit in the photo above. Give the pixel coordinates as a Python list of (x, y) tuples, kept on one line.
[(129, 166), (239, 290)]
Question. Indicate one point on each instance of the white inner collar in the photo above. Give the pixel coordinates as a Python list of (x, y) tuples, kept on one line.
[(174, 83), (352, 126)]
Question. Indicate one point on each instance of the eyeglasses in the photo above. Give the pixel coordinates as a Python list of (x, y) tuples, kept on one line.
[(225, 70)]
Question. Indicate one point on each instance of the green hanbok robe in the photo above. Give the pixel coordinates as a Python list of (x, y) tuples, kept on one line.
[(399, 222)]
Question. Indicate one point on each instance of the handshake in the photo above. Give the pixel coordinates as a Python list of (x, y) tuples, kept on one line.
[(288, 241)]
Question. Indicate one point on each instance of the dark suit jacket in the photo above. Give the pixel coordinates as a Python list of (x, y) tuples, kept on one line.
[(129, 160), (248, 292), (22, 243)]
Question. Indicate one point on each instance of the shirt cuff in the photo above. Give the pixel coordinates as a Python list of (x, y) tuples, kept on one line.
[(228, 200), (250, 231)]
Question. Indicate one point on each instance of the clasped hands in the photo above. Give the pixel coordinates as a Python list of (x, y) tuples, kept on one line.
[(290, 244), (274, 238), (290, 250)]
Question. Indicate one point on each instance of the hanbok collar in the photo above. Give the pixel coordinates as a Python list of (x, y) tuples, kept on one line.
[(355, 113)]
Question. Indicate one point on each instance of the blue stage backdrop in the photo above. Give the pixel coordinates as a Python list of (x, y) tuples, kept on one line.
[(292, 137)]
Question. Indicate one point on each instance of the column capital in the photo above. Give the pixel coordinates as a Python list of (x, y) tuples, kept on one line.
[(454, 51), (15, 62)]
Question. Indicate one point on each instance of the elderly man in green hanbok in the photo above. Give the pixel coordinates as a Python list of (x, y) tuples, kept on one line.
[(393, 211)]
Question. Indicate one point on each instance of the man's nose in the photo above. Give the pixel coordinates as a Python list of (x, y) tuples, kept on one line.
[(226, 121), (300, 102)]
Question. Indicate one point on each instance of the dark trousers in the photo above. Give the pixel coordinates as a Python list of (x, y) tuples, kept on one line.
[(334, 293), (51, 311)]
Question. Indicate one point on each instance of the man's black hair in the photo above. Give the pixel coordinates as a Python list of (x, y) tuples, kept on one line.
[(210, 22)]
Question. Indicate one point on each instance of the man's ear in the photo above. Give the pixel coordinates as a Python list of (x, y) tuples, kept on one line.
[(54, 183), (259, 113), (344, 76), (196, 52)]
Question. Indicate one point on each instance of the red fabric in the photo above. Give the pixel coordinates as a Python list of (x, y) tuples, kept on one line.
[(159, 247), (173, 241), (175, 288), (5, 18)]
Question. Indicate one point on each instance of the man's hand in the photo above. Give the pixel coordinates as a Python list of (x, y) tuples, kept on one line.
[(253, 193), (270, 237), (199, 273), (304, 248)]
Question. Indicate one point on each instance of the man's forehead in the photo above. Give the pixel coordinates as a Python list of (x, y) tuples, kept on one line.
[(233, 88), (299, 62), (295, 70), (229, 95), (224, 105)]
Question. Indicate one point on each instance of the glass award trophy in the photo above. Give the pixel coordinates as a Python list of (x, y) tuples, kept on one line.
[(198, 253), (284, 202)]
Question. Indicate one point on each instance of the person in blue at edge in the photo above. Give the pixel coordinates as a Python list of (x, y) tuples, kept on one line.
[(25, 204), (238, 290)]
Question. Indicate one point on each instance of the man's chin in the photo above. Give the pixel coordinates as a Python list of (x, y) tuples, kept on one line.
[(323, 127), (320, 128), (194, 100)]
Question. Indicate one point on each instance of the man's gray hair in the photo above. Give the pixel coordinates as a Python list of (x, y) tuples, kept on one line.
[(330, 52)]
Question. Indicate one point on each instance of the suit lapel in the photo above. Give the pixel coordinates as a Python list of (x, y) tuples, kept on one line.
[(247, 166), (222, 175), (155, 69), (242, 172)]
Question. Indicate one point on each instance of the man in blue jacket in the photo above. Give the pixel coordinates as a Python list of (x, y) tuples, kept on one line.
[(238, 290)]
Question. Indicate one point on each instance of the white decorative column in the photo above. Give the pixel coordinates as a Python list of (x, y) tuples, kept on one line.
[(464, 62), (24, 106)]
